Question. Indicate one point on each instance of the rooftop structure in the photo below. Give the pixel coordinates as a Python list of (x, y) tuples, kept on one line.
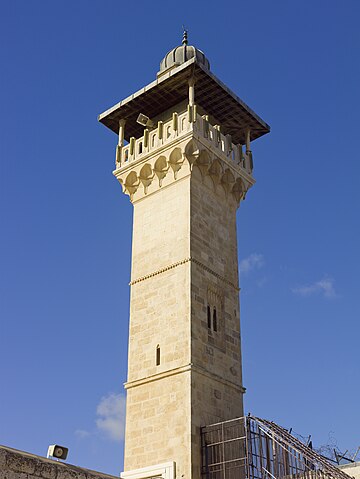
[(254, 448), (15, 464), (171, 88)]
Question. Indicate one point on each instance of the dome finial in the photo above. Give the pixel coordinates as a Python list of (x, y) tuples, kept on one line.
[(183, 53), (185, 36)]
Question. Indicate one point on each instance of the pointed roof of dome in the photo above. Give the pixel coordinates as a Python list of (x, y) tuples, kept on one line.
[(182, 54)]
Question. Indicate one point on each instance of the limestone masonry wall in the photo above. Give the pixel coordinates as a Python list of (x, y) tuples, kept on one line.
[(184, 359), (16, 464), (216, 382), (158, 409)]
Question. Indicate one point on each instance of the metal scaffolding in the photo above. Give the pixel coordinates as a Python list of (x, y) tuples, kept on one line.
[(254, 448)]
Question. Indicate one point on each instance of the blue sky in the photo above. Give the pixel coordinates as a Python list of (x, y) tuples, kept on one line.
[(66, 227)]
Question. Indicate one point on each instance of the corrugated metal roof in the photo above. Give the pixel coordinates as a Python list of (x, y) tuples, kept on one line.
[(171, 89)]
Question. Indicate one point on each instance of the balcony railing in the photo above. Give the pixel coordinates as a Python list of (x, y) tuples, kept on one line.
[(177, 127)]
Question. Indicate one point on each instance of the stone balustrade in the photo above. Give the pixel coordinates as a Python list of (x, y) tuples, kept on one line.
[(176, 128)]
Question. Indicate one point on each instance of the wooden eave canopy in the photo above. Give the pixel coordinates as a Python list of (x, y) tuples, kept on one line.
[(171, 88)]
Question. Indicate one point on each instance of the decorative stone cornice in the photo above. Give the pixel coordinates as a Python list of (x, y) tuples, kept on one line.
[(167, 157), (179, 263), (141, 178)]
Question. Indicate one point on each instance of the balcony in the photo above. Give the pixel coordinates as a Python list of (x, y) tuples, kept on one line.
[(188, 123)]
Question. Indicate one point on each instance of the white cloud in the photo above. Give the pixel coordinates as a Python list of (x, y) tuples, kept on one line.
[(81, 433), (325, 287), (111, 416), (252, 262), (262, 281)]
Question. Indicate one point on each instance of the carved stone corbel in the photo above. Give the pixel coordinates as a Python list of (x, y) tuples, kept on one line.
[(215, 170), (192, 152), (146, 176), (204, 161), (228, 181), (161, 169), (132, 183), (176, 160)]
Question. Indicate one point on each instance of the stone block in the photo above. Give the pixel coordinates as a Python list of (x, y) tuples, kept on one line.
[(19, 463), (46, 470), (2, 458), (66, 473), (8, 474)]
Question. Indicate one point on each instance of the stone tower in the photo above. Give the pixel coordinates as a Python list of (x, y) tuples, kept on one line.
[(186, 167)]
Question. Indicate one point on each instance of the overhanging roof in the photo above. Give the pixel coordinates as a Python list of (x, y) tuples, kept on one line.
[(172, 88)]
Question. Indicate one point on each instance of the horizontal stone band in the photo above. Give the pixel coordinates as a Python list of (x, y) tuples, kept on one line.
[(178, 263), (183, 369), (159, 271), (217, 275)]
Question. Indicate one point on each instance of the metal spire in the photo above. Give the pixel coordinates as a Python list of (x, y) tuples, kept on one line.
[(185, 37)]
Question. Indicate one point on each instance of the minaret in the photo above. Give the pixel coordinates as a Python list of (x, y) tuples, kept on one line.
[(186, 167)]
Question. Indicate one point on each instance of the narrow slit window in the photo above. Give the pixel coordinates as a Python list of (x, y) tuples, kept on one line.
[(157, 355), (214, 320), (209, 317), (140, 147)]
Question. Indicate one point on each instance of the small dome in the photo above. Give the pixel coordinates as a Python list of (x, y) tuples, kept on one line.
[(182, 54)]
